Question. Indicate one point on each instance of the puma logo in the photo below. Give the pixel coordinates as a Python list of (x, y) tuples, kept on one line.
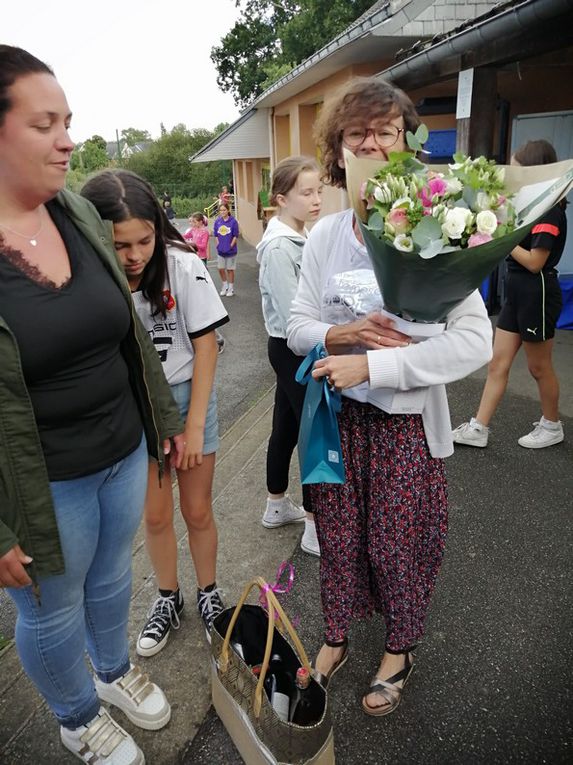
[(200, 279), (533, 331)]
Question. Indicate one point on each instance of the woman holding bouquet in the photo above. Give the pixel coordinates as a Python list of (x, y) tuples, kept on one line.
[(528, 316), (382, 533)]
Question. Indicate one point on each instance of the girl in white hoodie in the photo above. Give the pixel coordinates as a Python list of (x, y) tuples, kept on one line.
[(296, 191)]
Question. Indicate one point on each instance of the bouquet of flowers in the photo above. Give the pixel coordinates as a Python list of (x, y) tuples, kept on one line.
[(433, 233)]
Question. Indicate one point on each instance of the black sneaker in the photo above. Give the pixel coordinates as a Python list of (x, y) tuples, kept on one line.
[(163, 615), (209, 605)]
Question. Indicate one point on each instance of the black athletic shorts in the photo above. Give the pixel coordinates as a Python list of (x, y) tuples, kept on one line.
[(533, 304)]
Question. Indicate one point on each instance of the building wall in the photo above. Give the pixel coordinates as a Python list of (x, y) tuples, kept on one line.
[(248, 175)]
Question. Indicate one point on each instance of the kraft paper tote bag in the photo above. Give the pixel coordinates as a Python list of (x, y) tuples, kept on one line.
[(253, 658), (319, 452)]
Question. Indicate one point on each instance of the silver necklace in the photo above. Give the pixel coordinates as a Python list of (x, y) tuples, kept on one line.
[(33, 239)]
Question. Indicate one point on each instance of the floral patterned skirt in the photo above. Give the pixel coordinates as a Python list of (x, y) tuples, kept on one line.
[(382, 534)]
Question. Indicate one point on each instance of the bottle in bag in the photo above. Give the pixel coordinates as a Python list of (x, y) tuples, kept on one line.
[(302, 711), (279, 686)]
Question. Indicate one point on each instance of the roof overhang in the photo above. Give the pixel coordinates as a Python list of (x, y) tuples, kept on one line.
[(517, 31), (247, 138)]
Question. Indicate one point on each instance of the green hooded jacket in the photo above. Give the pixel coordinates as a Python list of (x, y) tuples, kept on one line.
[(27, 514)]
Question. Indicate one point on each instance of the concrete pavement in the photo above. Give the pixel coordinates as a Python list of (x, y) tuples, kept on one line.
[(493, 679)]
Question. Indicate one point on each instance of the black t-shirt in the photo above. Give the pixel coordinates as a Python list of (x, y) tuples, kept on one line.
[(549, 233), (69, 341)]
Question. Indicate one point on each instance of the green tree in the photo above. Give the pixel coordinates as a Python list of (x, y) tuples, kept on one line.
[(93, 154), (271, 38), (131, 136), (165, 164)]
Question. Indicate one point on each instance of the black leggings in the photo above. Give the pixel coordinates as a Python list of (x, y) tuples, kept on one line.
[(289, 400)]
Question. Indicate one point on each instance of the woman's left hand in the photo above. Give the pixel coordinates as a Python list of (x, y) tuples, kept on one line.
[(179, 443), (342, 371)]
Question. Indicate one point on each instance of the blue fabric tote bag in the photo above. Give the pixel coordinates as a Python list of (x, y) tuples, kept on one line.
[(319, 452)]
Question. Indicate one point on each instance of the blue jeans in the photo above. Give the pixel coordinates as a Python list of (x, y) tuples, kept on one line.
[(87, 606)]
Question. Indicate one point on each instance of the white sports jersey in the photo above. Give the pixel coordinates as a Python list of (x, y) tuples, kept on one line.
[(193, 309)]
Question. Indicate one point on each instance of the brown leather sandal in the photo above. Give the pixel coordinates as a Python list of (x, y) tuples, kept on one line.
[(389, 690), (325, 679)]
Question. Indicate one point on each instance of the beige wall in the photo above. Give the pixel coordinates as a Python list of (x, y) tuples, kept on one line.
[(248, 175)]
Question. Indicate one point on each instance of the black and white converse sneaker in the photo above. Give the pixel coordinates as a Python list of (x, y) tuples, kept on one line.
[(209, 605), (163, 615)]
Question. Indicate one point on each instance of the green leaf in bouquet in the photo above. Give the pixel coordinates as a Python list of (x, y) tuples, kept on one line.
[(500, 231), (396, 157), (422, 133), (413, 165), (376, 222), (459, 158), (413, 142), (427, 231), (469, 195), (432, 248)]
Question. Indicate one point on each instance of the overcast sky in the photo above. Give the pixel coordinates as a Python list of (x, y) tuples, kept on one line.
[(128, 63)]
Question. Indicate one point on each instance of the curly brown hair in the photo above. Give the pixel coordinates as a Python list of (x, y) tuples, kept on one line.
[(362, 99)]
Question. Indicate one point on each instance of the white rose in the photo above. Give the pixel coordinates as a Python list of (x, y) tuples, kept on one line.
[(454, 185), (486, 222), (483, 202), (403, 242), (455, 222)]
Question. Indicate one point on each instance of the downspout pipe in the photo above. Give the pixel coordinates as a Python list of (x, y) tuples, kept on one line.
[(520, 17)]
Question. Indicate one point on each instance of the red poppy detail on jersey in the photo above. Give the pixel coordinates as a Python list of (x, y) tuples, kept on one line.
[(545, 228), (169, 300)]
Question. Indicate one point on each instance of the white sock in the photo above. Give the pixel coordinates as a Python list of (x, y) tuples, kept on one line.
[(224, 285), (549, 424), (475, 424)]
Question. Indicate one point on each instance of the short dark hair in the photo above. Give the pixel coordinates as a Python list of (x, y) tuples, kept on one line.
[(14, 64), (360, 99), (539, 152), (120, 195)]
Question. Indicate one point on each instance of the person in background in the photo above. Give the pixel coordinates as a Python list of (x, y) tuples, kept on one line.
[(83, 400), (382, 533), (226, 232), (297, 193), (168, 210), (528, 317), (224, 196), (179, 306), (198, 233)]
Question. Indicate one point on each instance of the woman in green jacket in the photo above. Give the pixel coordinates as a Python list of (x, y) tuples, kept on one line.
[(83, 400)]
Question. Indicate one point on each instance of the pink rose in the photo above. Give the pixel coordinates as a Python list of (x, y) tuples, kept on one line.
[(476, 239), (438, 186), (398, 219)]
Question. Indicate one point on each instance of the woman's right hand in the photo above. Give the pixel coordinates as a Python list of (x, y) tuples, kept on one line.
[(373, 332), (12, 570)]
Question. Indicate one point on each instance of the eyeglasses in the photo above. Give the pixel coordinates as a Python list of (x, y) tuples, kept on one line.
[(384, 136)]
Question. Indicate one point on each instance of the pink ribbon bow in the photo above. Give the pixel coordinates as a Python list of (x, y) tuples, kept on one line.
[(277, 588)]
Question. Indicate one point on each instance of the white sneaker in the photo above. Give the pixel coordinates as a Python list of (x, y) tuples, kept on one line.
[(542, 436), (230, 290), (103, 741), (471, 433), (223, 290), (309, 541), (138, 698), (280, 512)]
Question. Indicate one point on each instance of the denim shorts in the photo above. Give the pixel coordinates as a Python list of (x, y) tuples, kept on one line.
[(230, 263), (182, 395)]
